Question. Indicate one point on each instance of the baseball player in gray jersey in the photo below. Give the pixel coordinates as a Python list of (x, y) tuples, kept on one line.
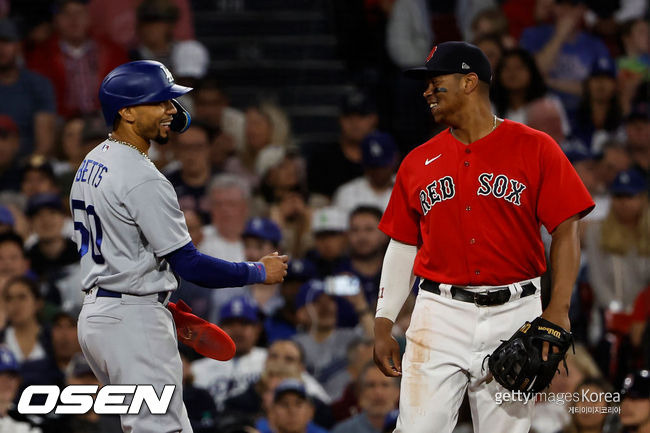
[(133, 243)]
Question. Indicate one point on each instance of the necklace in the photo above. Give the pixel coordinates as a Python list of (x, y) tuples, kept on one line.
[(110, 138)]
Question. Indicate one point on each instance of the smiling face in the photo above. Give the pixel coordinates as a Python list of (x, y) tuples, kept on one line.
[(444, 96), (150, 121)]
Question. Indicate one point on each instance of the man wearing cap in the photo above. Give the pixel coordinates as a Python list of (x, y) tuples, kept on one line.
[(28, 98), (379, 155), (54, 257), (292, 410), (465, 216), (262, 237), (283, 323), (331, 165), (239, 317), (10, 419), (635, 407), (329, 225), (615, 247)]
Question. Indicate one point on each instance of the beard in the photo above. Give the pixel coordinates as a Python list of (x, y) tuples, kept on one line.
[(161, 140)]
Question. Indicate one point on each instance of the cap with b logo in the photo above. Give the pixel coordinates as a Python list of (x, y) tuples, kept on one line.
[(453, 58)]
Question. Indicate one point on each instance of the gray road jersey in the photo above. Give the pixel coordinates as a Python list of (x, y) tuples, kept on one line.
[(126, 218)]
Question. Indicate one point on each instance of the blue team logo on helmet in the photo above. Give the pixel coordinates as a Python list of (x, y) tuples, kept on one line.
[(134, 83)]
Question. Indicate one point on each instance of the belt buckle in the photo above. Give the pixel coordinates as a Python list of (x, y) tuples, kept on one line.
[(481, 298)]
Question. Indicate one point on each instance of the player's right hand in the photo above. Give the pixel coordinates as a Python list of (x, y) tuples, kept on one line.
[(276, 267), (386, 351)]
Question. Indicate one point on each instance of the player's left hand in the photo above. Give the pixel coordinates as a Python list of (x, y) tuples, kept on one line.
[(558, 317), (275, 266)]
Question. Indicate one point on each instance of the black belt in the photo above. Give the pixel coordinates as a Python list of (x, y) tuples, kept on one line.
[(496, 296), (103, 293)]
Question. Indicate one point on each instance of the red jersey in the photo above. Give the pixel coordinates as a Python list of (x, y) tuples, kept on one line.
[(475, 210)]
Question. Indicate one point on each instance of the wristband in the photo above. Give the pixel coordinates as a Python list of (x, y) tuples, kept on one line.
[(257, 273)]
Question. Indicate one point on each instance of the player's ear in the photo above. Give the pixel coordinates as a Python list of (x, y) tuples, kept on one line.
[(127, 114), (470, 82)]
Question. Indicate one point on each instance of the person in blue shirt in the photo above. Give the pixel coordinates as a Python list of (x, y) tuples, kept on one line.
[(564, 52)]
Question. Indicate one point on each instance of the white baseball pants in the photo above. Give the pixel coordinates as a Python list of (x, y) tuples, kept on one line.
[(447, 342)]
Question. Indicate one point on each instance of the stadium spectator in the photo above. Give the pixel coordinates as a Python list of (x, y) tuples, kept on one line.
[(28, 98), (634, 62), (292, 410), (262, 237), (640, 317), (13, 260), (24, 334), (266, 131), (409, 34), (518, 85), (191, 179), (378, 396), (38, 177), (288, 352), (564, 52), (358, 118), (78, 137), (80, 373), (359, 354), (9, 146), (551, 417), (323, 343), (223, 380), (599, 114), (492, 21), (637, 131), (7, 220), (155, 21), (378, 159), (200, 406), (283, 323), (228, 197), (212, 105), (329, 226), (121, 27), (635, 407), (10, 419), (65, 344), (617, 248), (73, 60), (492, 47), (54, 258), (367, 245), (255, 402), (590, 414)]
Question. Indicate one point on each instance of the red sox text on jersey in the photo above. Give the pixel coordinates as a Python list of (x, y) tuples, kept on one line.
[(475, 209)]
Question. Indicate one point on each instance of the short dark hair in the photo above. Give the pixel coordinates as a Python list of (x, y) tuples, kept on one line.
[(29, 282), (366, 209), (209, 130), (14, 238)]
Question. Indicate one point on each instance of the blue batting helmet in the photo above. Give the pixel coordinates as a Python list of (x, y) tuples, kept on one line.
[(134, 83)]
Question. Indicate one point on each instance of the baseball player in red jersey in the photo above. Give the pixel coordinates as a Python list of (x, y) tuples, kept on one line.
[(465, 216)]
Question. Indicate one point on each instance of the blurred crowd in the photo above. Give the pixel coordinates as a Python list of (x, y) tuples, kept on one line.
[(578, 70)]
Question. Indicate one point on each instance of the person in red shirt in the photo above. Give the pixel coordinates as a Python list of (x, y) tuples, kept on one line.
[(73, 60), (640, 317), (465, 217)]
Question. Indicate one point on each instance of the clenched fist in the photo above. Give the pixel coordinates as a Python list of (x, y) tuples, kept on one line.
[(276, 267)]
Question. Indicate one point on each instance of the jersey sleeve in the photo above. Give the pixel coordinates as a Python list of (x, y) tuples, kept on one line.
[(562, 194), (154, 207), (400, 220)]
